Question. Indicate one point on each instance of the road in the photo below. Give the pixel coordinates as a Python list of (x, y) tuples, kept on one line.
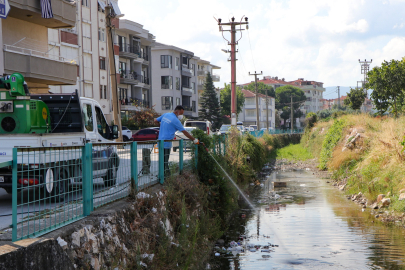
[(101, 193)]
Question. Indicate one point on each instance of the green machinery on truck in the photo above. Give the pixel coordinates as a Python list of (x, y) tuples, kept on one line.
[(18, 112)]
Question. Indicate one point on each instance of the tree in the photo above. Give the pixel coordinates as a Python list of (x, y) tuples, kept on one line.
[(209, 104), (355, 98), (261, 88), (283, 101), (388, 86), (226, 100)]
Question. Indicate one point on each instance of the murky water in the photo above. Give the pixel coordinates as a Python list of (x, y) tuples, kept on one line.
[(308, 225)]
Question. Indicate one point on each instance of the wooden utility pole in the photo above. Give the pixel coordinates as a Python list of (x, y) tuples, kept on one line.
[(233, 44), (257, 99), (111, 59)]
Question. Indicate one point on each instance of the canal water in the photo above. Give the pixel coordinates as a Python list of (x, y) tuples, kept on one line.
[(308, 224)]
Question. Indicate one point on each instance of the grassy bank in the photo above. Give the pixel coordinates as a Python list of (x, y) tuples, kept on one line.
[(363, 152)]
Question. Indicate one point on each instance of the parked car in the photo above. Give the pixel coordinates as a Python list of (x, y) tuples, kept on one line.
[(204, 125), (179, 136), (147, 134), (254, 127), (226, 128), (126, 134), (157, 128)]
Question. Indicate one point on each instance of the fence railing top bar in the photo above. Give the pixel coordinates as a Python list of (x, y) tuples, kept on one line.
[(33, 149), (110, 143)]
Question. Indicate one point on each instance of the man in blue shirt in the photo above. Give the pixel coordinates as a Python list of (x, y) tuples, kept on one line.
[(169, 124)]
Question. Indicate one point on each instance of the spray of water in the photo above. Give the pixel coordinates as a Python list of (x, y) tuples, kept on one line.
[(290, 259)]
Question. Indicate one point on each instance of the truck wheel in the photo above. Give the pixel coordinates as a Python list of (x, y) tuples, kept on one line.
[(56, 184), (174, 149), (111, 177), (125, 138)]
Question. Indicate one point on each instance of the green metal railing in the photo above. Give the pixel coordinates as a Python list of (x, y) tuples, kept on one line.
[(55, 186)]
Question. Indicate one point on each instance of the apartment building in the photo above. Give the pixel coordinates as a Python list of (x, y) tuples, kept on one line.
[(204, 67), (134, 67), (24, 39), (174, 79), (248, 113), (85, 45), (314, 93)]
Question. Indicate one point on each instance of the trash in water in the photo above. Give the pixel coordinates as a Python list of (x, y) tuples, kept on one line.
[(217, 254), (252, 250), (142, 195)]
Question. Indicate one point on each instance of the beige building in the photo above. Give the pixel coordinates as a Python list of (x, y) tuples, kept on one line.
[(313, 91), (26, 49), (204, 67), (134, 68), (86, 46)]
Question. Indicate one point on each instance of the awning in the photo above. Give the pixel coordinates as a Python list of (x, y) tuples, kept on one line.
[(102, 4), (116, 8)]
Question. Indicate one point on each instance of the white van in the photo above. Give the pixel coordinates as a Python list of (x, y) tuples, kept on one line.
[(204, 125)]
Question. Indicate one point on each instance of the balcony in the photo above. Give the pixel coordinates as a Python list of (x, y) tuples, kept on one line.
[(128, 51), (64, 13), (200, 87), (188, 110), (143, 82), (145, 58), (165, 86), (134, 104), (202, 73), (128, 77), (186, 91), (39, 67), (185, 71), (215, 78)]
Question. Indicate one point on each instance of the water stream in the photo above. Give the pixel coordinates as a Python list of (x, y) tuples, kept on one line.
[(307, 225)]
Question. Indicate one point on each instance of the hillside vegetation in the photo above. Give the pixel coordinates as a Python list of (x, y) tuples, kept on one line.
[(364, 153)]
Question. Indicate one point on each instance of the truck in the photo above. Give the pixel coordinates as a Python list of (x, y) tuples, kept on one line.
[(60, 121), (204, 125)]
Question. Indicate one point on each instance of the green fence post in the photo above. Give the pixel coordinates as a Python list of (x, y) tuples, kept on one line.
[(219, 145), (14, 198), (181, 156), (224, 137), (161, 162), (134, 165), (87, 180), (196, 156)]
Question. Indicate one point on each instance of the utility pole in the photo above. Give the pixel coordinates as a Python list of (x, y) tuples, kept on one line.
[(292, 116), (365, 67), (111, 61), (338, 91), (257, 99), (233, 43), (267, 111)]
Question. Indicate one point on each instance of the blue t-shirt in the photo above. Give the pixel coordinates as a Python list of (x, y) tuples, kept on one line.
[(169, 124)]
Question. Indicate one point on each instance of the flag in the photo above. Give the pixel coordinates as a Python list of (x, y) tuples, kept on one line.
[(46, 9)]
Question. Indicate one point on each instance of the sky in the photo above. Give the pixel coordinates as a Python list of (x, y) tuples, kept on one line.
[(320, 40)]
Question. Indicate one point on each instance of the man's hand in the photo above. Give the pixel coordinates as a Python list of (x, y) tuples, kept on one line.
[(196, 141)]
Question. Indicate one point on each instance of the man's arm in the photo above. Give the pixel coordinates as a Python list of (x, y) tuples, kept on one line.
[(188, 135), (157, 122)]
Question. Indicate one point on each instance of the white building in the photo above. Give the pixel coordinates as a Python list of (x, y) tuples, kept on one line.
[(314, 93), (204, 67), (248, 113), (174, 79)]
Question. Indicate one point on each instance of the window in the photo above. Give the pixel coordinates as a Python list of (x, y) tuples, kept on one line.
[(122, 43), (102, 126), (250, 101), (193, 86), (309, 99), (101, 34), (103, 92), (123, 68), (86, 3), (167, 103), (177, 64), (185, 61), (177, 101), (250, 113), (87, 117), (193, 105), (122, 94), (177, 83), (167, 82), (88, 90), (166, 61), (193, 69), (102, 63)]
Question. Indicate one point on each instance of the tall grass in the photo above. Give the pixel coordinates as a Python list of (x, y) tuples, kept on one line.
[(293, 152)]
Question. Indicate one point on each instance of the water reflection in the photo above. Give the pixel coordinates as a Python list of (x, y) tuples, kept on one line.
[(314, 223)]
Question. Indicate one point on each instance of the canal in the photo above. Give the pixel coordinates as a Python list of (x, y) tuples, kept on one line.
[(308, 224)]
